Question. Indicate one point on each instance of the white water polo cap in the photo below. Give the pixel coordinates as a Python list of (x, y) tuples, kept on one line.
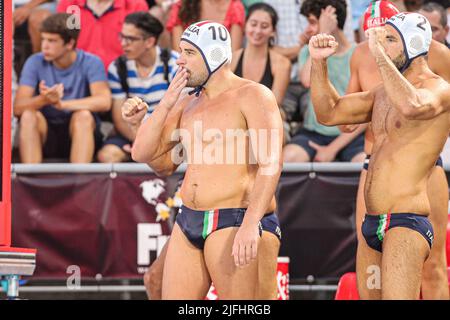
[(415, 31), (213, 41)]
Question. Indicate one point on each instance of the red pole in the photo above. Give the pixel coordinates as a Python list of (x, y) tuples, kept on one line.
[(5, 201)]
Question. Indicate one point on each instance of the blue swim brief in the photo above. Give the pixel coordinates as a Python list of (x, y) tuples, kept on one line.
[(197, 225), (374, 227)]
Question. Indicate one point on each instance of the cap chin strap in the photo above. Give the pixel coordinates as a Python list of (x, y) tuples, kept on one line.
[(198, 89), (406, 65), (409, 61)]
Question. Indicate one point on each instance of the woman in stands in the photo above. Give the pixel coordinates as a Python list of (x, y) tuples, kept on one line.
[(258, 61), (230, 13)]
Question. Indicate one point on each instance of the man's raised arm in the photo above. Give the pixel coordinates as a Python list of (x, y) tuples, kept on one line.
[(330, 108), (153, 138)]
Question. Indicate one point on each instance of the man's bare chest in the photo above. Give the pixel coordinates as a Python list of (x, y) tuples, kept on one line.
[(209, 121), (386, 120)]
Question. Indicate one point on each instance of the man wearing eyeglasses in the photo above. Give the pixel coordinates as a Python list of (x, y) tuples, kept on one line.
[(101, 21), (144, 71)]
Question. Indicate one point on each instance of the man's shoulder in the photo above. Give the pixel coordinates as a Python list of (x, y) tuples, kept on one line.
[(361, 49), (438, 49), (36, 58), (252, 92), (279, 59), (88, 57)]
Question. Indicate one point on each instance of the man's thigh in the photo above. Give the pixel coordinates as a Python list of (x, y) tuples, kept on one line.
[(230, 281), (267, 266), (404, 253), (185, 274), (368, 271)]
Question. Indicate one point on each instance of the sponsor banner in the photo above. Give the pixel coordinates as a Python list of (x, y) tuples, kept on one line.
[(116, 225)]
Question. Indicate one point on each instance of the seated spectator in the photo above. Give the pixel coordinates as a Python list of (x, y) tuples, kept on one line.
[(437, 16), (144, 71), (411, 5), (60, 90), (248, 3), (400, 4), (258, 61), (358, 9), (230, 13), (291, 35), (101, 22), (33, 11), (315, 142), (160, 10)]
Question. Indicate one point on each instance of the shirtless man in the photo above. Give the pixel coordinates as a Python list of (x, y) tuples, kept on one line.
[(410, 122), (364, 77), (217, 232)]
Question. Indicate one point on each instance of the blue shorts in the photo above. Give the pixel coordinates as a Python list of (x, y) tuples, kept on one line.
[(117, 140), (367, 160), (198, 225), (303, 137), (374, 227), (59, 143)]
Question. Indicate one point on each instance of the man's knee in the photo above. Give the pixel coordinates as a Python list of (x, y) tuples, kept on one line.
[(360, 157), (28, 121), (111, 154), (82, 120), (435, 267), (295, 153)]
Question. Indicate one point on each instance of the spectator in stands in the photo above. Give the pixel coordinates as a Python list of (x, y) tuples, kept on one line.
[(230, 13), (258, 61), (358, 9), (160, 10), (291, 37), (59, 92), (101, 22), (144, 71), (411, 5), (33, 11), (315, 142), (437, 16), (248, 3)]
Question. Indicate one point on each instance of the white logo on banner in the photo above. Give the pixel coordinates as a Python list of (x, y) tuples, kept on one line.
[(152, 189), (150, 239)]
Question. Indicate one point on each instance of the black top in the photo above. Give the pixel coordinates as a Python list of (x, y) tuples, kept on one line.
[(267, 78)]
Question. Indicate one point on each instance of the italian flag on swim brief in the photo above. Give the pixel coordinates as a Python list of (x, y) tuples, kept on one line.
[(210, 221), (383, 225)]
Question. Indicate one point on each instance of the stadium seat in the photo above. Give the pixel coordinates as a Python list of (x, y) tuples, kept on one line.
[(347, 289)]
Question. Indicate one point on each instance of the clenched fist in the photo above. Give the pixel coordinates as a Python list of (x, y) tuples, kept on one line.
[(322, 46), (377, 40), (134, 110)]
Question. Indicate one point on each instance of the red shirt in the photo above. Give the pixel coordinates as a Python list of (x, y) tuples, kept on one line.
[(100, 35), (235, 15)]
